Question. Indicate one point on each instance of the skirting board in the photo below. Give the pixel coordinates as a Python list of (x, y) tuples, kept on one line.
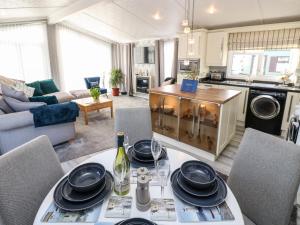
[(185, 147)]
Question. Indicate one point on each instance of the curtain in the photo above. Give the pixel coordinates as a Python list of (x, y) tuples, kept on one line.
[(159, 62), (168, 57), (122, 58), (175, 59), (264, 40), (53, 54), (81, 56), (24, 51)]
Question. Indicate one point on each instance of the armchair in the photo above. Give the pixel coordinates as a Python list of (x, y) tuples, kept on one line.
[(91, 82)]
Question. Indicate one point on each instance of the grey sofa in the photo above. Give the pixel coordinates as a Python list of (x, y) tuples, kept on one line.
[(18, 128)]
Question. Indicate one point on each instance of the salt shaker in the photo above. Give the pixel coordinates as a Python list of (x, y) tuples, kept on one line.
[(143, 201), (142, 171)]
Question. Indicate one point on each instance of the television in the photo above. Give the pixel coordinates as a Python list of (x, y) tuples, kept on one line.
[(144, 55)]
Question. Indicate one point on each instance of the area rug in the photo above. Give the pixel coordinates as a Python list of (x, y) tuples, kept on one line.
[(99, 133)]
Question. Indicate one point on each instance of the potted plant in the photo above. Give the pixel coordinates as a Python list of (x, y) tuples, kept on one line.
[(95, 93), (116, 79)]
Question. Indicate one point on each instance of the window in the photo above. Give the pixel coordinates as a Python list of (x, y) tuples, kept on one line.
[(24, 52), (168, 57), (262, 64), (82, 56)]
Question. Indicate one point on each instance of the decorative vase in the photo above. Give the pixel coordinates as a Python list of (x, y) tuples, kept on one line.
[(115, 91)]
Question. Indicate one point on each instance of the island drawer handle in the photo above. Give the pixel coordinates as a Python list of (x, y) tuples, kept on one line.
[(245, 98)]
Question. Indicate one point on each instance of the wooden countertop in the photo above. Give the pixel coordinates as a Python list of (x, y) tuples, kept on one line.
[(205, 94)]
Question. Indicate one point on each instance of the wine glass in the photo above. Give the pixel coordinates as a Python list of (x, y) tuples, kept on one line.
[(163, 166), (156, 151), (120, 172), (126, 142)]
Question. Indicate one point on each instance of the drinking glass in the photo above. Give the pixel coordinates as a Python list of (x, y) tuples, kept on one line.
[(120, 173), (163, 166), (156, 151), (126, 142)]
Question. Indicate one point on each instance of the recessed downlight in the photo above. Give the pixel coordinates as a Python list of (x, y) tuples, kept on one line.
[(211, 9), (156, 16)]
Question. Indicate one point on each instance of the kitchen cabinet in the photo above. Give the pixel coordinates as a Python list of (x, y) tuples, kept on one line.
[(194, 50), (292, 99), (216, 50)]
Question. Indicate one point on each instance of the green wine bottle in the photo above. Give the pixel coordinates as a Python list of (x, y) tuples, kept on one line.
[(121, 168)]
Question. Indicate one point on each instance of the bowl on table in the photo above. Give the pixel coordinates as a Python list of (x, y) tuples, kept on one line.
[(87, 177), (142, 149), (198, 174)]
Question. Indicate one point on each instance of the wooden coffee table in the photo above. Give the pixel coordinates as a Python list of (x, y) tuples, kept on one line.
[(88, 105)]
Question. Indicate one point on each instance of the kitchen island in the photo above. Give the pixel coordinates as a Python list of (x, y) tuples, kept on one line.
[(202, 123)]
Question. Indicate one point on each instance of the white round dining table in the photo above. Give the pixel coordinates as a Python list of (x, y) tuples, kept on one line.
[(176, 158)]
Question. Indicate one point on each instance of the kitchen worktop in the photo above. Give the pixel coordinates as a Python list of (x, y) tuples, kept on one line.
[(261, 85), (215, 95)]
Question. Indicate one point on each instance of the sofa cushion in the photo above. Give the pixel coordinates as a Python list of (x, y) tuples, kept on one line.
[(62, 96), (6, 81), (20, 86), (11, 92), (4, 107), (1, 112), (49, 100), (48, 86), (37, 88), (19, 106), (80, 93)]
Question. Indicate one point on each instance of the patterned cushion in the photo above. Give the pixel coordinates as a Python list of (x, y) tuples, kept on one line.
[(11, 92), (6, 81), (19, 106), (20, 86)]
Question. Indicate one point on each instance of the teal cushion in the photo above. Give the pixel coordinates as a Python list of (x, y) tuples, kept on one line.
[(48, 86), (50, 100), (37, 88)]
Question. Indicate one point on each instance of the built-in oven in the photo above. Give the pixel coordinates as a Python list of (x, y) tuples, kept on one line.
[(188, 65), (142, 84)]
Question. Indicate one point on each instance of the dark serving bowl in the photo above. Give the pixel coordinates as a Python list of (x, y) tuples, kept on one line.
[(198, 174), (87, 177), (142, 149)]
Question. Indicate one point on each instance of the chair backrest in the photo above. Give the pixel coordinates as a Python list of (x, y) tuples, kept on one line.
[(265, 177), (135, 122), (92, 82), (27, 174)]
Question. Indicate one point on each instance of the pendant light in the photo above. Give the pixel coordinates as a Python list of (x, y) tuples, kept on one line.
[(192, 40), (185, 22)]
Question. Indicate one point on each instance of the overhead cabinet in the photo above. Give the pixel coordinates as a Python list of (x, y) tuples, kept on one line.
[(216, 51)]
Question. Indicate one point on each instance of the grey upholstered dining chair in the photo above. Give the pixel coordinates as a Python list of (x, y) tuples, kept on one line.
[(135, 122), (27, 174), (265, 177)]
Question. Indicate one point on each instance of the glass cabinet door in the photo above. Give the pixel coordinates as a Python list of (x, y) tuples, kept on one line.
[(198, 124), (164, 113)]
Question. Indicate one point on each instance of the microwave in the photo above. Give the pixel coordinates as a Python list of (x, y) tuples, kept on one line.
[(193, 65)]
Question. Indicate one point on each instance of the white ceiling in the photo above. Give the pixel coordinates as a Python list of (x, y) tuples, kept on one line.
[(131, 20), (29, 9)]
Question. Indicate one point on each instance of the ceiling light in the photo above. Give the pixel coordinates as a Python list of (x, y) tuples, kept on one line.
[(211, 9), (187, 30), (185, 22), (156, 16)]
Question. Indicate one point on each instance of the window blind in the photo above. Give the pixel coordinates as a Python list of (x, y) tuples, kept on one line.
[(262, 40)]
